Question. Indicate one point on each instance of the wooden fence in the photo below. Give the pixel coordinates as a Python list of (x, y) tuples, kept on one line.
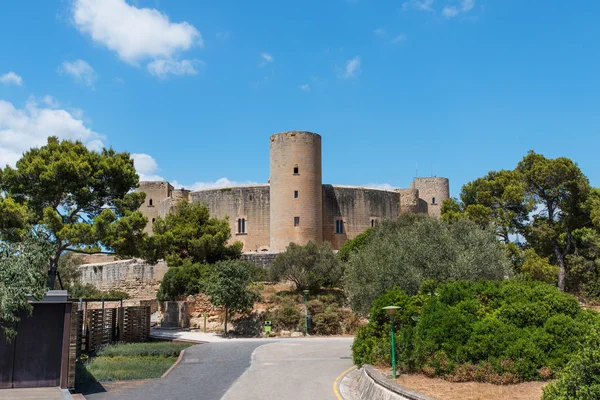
[(110, 325)]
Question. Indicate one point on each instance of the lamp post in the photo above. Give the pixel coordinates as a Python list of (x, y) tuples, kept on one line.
[(306, 291), (391, 310)]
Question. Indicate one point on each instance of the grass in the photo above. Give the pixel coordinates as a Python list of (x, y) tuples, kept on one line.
[(129, 361)]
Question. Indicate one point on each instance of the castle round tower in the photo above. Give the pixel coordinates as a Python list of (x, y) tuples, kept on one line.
[(296, 191), (432, 192)]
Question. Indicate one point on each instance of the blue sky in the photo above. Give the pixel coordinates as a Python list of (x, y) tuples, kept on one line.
[(195, 88)]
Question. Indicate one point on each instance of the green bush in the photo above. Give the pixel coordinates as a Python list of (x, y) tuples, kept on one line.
[(500, 332), (188, 279), (312, 266), (580, 380), (89, 291), (327, 322), (149, 349), (415, 248), (286, 317)]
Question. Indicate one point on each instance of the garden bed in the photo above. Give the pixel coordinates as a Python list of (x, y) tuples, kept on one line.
[(129, 361), (441, 389)]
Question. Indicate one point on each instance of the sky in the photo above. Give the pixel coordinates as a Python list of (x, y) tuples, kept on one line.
[(193, 89)]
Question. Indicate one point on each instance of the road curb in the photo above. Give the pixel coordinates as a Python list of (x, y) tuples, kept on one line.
[(174, 365)]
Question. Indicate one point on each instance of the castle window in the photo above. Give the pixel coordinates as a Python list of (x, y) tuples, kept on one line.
[(433, 200), (150, 203), (372, 223), (241, 225), (339, 226), (296, 221), (296, 169), (295, 194), (153, 219)]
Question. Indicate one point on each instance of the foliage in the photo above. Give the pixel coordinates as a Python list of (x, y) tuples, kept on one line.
[(559, 190), (68, 270), (76, 199), (533, 267), (229, 286), (489, 331), (129, 361), (187, 279), (147, 349), (190, 233), (89, 291), (310, 267), (353, 245), (580, 380), (497, 200), (23, 272), (416, 248), (286, 317)]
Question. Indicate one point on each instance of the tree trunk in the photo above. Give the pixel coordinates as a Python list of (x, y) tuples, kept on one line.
[(52, 274), (560, 260)]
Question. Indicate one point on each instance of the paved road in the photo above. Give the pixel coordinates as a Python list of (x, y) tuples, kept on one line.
[(299, 370), (283, 369)]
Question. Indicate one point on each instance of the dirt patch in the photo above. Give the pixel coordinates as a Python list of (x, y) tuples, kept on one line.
[(444, 390)]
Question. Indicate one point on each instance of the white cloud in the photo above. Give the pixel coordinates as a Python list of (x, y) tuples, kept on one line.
[(135, 34), (450, 12), (422, 5), (80, 70), (10, 78), (50, 101), (267, 57), (223, 182), (399, 38), (305, 87), (379, 32), (21, 129), (453, 11), (352, 68), (146, 167), (467, 5), (162, 68)]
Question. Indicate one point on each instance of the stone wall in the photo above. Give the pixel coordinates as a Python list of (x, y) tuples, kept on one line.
[(135, 277), (358, 207), (263, 258), (252, 203)]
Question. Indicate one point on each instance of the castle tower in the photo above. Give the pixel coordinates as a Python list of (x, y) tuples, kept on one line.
[(156, 191), (432, 192), (296, 192)]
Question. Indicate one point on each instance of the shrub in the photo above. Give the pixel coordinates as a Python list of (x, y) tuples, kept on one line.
[(498, 332), (286, 317), (185, 280), (580, 379), (89, 291), (310, 267), (327, 322), (416, 248)]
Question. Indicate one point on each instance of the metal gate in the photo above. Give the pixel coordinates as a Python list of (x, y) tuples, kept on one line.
[(33, 358)]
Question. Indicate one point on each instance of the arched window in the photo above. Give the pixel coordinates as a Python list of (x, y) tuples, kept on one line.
[(296, 169), (153, 219), (433, 200), (339, 226), (150, 203)]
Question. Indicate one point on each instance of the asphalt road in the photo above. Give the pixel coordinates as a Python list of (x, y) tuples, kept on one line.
[(249, 369)]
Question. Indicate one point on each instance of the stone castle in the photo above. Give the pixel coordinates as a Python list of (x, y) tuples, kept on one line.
[(295, 205)]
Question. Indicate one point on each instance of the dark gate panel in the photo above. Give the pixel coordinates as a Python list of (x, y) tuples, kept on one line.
[(39, 347), (7, 352)]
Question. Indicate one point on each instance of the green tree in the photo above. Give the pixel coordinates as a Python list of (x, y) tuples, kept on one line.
[(76, 199), (184, 280), (229, 286), (497, 199), (559, 191), (415, 248), (352, 246), (23, 272), (310, 267), (190, 233)]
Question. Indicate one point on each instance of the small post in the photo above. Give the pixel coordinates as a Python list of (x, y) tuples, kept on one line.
[(306, 291), (391, 310), (205, 315)]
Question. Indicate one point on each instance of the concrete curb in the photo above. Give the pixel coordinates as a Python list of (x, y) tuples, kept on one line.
[(348, 385), (174, 365), (373, 385)]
